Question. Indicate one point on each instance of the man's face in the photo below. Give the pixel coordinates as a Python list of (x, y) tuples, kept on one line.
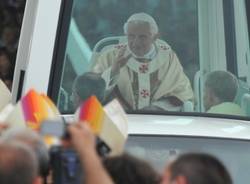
[(140, 38), (9, 36), (166, 176), (5, 64)]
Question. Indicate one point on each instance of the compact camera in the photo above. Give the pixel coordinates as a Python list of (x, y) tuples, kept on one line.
[(64, 162)]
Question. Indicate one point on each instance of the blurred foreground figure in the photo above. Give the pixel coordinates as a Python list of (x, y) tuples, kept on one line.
[(196, 168), (35, 142), (126, 168), (84, 142), (18, 164)]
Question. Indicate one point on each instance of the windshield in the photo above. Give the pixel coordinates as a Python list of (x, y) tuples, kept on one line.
[(157, 56)]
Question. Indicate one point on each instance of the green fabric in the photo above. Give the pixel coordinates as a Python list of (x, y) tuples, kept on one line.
[(227, 108)]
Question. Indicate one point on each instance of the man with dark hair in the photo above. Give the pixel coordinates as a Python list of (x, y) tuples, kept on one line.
[(18, 164), (87, 85), (220, 91), (128, 169), (196, 168)]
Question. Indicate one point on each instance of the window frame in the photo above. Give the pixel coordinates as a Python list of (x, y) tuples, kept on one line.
[(60, 50), (211, 47)]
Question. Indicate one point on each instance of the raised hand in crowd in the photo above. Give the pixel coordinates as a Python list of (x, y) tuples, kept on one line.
[(84, 142)]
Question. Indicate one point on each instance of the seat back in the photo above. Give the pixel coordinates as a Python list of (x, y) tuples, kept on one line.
[(109, 42), (245, 103), (64, 100), (243, 97), (188, 106), (105, 44), (199, 91)]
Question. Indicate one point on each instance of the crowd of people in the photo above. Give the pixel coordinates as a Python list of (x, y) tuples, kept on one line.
[(11, 14), (24, 158)]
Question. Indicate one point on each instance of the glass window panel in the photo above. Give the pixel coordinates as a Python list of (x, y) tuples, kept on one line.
[(149, 70), (93, 21)]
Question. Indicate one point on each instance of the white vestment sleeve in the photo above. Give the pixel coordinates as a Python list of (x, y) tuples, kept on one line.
[(110, 80)]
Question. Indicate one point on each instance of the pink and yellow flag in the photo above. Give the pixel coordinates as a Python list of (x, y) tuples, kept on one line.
[(108, 122), (92, 112), (31, 110)]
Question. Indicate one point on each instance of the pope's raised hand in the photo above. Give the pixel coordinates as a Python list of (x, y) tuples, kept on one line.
[(120, 61)]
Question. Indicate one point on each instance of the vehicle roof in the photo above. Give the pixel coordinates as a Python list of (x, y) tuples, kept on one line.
[(174, 125)]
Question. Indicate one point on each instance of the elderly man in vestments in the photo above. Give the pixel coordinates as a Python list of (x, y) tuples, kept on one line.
[(144, 73)]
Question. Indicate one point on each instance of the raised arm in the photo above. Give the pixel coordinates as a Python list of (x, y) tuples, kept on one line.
[(109, 65), (83, 141)]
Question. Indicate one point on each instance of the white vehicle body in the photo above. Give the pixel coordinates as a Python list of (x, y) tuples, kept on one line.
[(189, 126), (36, 51)]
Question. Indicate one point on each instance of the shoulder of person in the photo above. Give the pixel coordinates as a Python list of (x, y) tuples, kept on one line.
[(162, 45), (120, 46), (113, 49)]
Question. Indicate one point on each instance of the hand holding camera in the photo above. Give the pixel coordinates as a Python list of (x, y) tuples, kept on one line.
[(81, 137)]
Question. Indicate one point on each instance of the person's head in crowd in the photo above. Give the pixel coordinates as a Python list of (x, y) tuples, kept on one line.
[(5, 63), (125, 169), (18, 164), (34, 141), (141, 31), (87, 85), (196, 168), (10, 37), (8, 15), (220, 86), (16, 3), (19, 16)]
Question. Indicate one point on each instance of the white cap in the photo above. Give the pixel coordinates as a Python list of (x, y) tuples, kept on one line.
[(142, 17)]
